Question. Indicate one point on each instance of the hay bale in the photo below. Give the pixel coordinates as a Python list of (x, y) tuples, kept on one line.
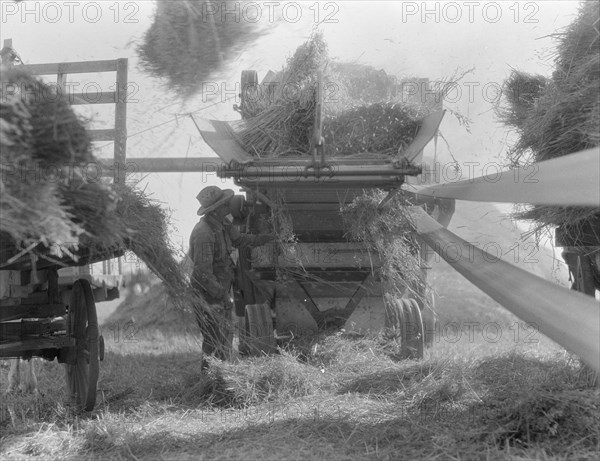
[(190, 39), (561, 115)]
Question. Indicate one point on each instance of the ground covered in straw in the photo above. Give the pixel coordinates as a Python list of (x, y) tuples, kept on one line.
[(334, 396)]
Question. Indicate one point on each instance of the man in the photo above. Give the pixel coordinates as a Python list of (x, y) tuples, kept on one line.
[(211, 246)]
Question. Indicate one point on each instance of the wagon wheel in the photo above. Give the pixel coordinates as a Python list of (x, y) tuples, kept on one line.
[(82, 373), (259, 336), (249, 92)]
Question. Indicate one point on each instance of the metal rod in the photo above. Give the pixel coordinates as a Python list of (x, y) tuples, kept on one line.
[(293, 172), (339, 181), (164, 165)]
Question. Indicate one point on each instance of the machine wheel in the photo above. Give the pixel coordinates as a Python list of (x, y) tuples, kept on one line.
[(415, 334), (82, 374), (259, 337), (403, 316)]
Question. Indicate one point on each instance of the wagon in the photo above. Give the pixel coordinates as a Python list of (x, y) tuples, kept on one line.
[(322, 280), (48, 298), (48, 310)]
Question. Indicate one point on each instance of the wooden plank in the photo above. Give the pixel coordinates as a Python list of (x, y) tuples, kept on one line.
[(571, 180), (22, 311), (308, 255), (325, 289), (13, 347), (82, 67), (318, 220), (329, 275), (102, 135), (102, 97), (16, 330), (40, 297), (318, 195), (120, 147), (570, 318), (335, 207)]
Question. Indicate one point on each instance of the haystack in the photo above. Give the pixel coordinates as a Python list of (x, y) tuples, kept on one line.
[(37, 132), (559, 115)]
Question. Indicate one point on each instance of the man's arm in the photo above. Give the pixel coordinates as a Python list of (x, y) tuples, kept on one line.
[(239, 240)]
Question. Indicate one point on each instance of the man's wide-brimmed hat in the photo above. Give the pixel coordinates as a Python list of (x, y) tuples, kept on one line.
[(211, 197)]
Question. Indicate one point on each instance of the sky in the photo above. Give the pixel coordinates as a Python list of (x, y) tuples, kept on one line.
[(425, 39)]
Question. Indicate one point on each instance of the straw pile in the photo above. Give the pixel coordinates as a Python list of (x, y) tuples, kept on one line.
[(50, 207), (559, 115), (391, 234), (284, 120), (190, 39), (39, 137), (359, 112)]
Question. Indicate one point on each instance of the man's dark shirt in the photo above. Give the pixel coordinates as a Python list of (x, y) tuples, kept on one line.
[(211, 245)]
